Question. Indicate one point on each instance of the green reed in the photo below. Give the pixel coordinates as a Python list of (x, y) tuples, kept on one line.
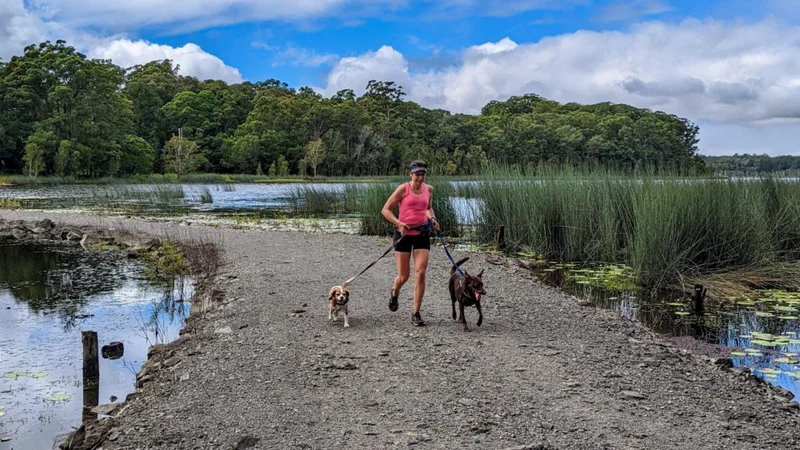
[(308, 199), (665, 228)]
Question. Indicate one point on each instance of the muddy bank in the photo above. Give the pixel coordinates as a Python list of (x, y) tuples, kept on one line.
[(263, 368)]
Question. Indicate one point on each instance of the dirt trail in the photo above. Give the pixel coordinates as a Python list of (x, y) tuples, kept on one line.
[(542, 371)]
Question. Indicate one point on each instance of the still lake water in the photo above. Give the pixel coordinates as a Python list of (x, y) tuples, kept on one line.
[(733, 327), (48, 295)]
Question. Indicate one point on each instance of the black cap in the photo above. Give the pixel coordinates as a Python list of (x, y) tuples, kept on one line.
[(419, 166)]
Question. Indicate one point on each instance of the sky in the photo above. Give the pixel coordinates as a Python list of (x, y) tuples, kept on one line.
[(731, 67)]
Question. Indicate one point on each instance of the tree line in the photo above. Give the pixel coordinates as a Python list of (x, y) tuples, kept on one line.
[(64, 114), (747, 164)]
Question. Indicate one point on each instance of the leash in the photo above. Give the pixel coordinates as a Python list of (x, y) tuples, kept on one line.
[(441, 239), (346, 282), (429, 227)]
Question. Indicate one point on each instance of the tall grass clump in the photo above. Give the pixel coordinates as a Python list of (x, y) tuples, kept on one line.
[(372, 198), (165, 194), (205, 196), (559, 215), (313, 200), (666, 228)]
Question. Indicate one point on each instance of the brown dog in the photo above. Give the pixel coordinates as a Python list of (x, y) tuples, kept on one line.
[(337, 302), (467, 291)]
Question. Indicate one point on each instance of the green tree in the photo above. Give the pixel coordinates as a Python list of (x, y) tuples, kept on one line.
[(138, 156), (315, 154), (34, 159), (181, 156)]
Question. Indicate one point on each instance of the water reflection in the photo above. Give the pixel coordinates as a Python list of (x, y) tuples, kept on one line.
[(764, 342), (47, 297)]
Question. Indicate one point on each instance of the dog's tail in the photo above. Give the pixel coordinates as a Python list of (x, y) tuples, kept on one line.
[(458, 264)]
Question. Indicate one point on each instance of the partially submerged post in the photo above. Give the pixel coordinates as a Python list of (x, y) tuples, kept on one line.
[(500, 239), (698, 299), (91, 374)]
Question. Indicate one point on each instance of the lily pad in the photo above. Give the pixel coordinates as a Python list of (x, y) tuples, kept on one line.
[(39, 375), (676, 304), (2, 413), (785, 361), (58, 398), (5, 439), (763, 343), (681, 313), (738, 354), (14, 375)]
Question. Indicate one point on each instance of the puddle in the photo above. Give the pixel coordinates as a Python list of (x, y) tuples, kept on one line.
[(48, 295), (762, 334)]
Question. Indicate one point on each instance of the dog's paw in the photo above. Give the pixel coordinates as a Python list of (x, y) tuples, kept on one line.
[(347, 325), (480, 321)]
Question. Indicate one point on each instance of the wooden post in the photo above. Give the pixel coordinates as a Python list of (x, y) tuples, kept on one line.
[(91, 374), (500, 240), (698, 299), (91, 362)]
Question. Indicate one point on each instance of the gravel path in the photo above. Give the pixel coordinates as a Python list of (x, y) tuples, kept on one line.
[(542, 372)]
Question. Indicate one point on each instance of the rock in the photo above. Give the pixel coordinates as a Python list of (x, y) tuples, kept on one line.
[(172, 361), (467, 402), (43, 226), (246, 442), (114, 350), (73, 236), (155, 349), (632, 395), (223, 330), (106, 409), (143, 380), (725, 363)]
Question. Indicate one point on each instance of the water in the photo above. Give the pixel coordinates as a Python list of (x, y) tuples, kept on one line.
[(758, 333), (723, 328), (172, 199), (48, 295)]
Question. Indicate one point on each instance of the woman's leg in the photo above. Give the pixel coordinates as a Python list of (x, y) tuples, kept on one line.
[(420, 269), (403, 259)]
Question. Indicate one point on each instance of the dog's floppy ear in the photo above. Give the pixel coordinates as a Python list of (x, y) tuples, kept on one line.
[(332, 293)]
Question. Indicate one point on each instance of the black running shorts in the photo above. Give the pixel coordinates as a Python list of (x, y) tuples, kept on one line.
[(417, 242)]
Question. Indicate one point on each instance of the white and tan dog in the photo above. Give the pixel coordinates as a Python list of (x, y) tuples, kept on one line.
[(337, 302)]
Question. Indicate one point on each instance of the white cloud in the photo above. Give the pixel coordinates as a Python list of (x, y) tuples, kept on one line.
[(704, 70), (192, 59), (386, 64), (707, 71), (19, 28)]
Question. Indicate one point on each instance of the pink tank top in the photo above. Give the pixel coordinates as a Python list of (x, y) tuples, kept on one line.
[(413, 208)]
